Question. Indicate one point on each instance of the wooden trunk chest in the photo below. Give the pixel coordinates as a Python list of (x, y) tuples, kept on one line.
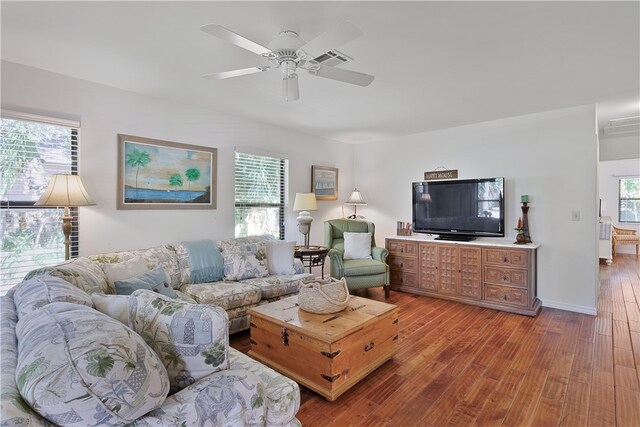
[(327, 353)]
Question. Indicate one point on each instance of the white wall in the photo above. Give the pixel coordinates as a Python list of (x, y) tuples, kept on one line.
[(105, 112), (550, 156), (620, 147), (610, 172)]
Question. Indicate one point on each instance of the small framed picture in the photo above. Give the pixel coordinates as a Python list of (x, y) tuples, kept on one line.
[(324, 182)]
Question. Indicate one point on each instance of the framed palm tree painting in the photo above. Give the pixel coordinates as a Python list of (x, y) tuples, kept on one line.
[(154, 174)]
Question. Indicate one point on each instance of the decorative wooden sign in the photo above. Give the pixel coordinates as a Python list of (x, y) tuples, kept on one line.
[(443, 174)]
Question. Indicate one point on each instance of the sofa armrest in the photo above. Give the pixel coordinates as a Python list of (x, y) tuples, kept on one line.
[(379, 253), (282, 395), (337, 266), (199, 404)]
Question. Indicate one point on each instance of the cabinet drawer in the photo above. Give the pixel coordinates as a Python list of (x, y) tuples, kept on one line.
[(402, 263), (401, 278), (510, 257), (506, 295), (506, 276), (399, 247)]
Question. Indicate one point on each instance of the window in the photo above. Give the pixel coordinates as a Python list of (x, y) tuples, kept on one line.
[(489, 197), (629, 207), (261, 188), (33, 148)]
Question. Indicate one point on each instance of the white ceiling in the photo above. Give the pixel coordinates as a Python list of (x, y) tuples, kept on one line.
[(437, 64)]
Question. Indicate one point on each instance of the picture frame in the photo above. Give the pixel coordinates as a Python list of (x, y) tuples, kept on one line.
[(156, 174), (324, 182)]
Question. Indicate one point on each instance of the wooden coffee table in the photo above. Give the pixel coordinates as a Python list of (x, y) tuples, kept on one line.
[(327, 353)]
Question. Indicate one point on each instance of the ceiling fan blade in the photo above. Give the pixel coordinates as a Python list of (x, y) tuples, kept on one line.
[(228, 35), (347, 76), (235, 73), (331, 39)]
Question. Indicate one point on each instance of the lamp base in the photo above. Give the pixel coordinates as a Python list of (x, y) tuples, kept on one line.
[(304, 226), (67, 226)]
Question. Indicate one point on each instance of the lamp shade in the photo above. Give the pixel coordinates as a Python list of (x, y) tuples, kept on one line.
[(65, 190), (305, 202), (356, 198)]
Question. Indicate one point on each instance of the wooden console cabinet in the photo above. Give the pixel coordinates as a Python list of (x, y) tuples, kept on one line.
[(498, 275)]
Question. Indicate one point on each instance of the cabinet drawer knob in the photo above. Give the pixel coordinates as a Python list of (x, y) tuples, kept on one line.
[(506, 259), (402, 264), (369, 346), (504, 297), (505, 278)]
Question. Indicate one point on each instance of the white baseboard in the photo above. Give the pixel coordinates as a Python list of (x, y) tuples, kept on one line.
[(569, 307)]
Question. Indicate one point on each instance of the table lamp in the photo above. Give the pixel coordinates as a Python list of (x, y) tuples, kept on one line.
[(355, 200), (67, 191), (304, 203)]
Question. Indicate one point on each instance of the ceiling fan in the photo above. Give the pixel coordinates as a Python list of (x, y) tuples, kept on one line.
[(290, 53)]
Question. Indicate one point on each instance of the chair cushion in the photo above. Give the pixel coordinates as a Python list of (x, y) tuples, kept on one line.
[(192, 340), (78, 367), (224, 294), (363, 267), (275, 286)]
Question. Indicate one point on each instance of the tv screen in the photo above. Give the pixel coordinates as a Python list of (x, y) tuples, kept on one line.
[(460, 209)]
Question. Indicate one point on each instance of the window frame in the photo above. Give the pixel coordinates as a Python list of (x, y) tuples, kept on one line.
[(621, 199), (282, 203)]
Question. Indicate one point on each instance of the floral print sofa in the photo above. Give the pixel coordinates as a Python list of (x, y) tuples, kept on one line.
[(244, 393)]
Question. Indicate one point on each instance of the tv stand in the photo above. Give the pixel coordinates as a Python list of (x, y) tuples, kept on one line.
[(456, 237), (494, 274)]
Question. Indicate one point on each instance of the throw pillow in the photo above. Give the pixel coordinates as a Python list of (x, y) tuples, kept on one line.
[(78, 367), (192, 340), (245, 261), (114, 306), (280, 257), (124, 270), (357, 245), (42, 290), (154, 280)]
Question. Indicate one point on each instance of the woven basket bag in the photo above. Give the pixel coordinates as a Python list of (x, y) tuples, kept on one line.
[(323, 296)]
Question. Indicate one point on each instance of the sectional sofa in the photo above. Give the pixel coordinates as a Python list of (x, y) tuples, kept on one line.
[(53, 307)]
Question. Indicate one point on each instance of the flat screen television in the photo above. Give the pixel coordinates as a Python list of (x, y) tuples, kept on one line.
[(459, 209)]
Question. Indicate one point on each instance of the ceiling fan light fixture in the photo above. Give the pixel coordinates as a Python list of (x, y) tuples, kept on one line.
[(290, 89)]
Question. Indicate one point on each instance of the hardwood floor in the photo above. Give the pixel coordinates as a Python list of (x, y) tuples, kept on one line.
[(464, 365)]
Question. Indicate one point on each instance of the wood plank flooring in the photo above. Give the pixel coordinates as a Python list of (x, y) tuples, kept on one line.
[(463, 365)]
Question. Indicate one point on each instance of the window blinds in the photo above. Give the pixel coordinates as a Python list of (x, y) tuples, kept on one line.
[(260, 194), (33, 149)]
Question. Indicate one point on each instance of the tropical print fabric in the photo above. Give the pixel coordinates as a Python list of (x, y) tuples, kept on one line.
[(282, 395), (275, 286), (245, 261), (227, 295), (14, 411), (83, 273), (227, 398), (79, 367), (192, 340), (158, 256), (43, 290)]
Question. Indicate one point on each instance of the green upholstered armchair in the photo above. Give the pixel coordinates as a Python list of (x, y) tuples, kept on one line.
[(359, 273)]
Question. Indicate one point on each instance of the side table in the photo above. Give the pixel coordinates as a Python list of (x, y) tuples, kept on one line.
[(313, 256)]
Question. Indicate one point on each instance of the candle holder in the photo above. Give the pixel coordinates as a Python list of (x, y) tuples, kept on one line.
[(523, 233)]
